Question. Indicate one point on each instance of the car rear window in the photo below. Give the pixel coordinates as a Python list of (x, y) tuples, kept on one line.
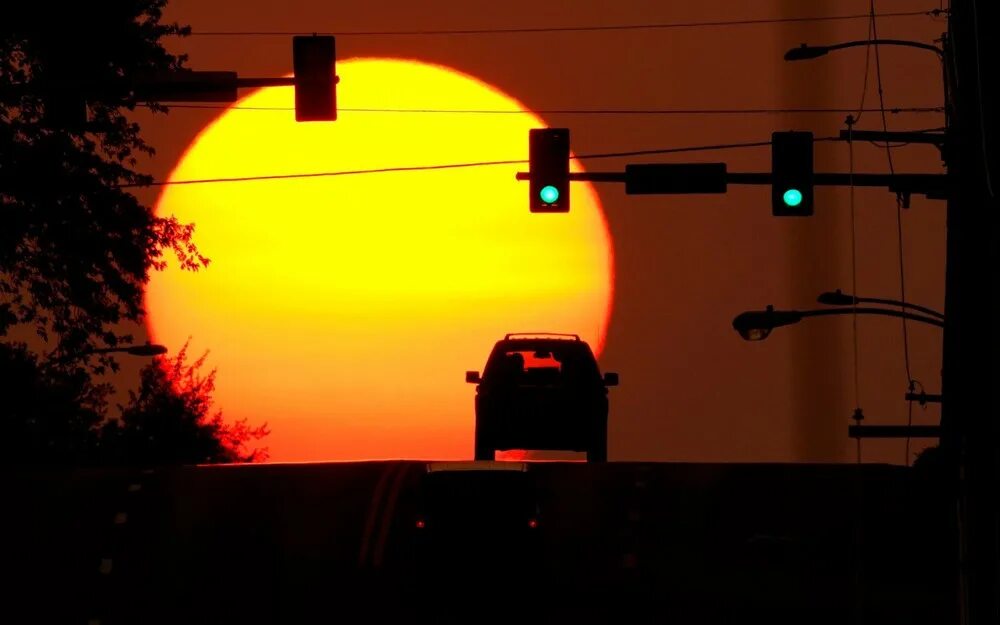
[(543, 364)]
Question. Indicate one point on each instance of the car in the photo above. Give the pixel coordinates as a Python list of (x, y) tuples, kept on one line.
[(477, 513), (542, 391)]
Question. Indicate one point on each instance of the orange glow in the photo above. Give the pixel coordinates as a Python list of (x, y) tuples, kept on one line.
[(344, 311)]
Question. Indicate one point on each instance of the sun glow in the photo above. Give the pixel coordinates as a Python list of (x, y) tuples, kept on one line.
[(344, 310)]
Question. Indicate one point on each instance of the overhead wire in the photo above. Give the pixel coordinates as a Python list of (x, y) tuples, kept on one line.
[(851, 120), (899, 215), (463, 165), (864, 80), (554, 29)]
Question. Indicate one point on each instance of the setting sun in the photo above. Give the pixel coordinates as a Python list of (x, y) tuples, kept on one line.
[(343, 310)]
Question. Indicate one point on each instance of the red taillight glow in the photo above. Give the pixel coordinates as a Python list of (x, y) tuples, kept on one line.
[(533, 523), (421, 524)]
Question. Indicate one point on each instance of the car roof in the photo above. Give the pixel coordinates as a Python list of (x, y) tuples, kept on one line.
[(536, 341), (552, 336)]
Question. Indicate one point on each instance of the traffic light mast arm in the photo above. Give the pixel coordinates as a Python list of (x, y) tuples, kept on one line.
[(282, 81), (589, 176), (199, 86), (934, 186)]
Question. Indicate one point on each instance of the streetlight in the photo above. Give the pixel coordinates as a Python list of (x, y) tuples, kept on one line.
[(146, 349), (805, 51), (839, 298), (756, 325)]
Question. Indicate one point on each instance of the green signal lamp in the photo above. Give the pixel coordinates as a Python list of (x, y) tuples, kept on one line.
[(549, 194), (792, 197)]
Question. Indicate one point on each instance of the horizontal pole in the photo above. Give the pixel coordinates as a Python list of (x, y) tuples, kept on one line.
[(934, 138), (894, 431), (901, 183), (934, 186), (589, 176), (174, 86), (250, 83)]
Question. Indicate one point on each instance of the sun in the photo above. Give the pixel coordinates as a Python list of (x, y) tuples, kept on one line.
[(344, 310)]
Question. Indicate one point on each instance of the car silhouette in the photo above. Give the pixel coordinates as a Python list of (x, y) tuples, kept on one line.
[(542, 392), (477, 512)]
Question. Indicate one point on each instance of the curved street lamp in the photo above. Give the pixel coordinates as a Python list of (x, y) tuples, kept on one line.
[(756, 325), (805, 51), (146, 349), (839, 298)]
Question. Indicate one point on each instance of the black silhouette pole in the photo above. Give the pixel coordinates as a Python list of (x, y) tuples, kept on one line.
[(970, 418)]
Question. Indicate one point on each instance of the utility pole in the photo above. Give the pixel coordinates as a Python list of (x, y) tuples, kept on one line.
[(969, 421)]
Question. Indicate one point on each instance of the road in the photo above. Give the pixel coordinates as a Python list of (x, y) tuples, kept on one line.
[(616, 542)]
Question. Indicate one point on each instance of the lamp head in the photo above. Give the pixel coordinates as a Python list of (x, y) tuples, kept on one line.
[(756, 325), (804, 52), (149, 349), (836, 298), (754, 334)]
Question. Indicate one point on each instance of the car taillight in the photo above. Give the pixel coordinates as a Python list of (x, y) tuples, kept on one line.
[(421, 524), (533, 523)]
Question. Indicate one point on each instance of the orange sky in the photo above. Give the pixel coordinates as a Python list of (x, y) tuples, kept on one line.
[(691, 390)]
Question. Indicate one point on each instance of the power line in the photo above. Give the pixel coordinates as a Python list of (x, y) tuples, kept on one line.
[(864, 83), (554, 29), (695, 111), (899, 202), (384, 170)]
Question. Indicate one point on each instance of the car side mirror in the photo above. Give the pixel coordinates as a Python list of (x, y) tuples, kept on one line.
[(472, 377), (610, 379)]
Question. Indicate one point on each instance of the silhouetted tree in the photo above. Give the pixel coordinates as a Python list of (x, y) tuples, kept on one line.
[(170, 420), (48, 415), (76, 247)]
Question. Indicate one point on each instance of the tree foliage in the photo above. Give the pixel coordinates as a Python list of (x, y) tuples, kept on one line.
[(53, 415), (171, 420), (76, 248), (50, 415)]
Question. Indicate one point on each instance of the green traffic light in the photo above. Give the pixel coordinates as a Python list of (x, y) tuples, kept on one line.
[(549, 194), (792, 197)]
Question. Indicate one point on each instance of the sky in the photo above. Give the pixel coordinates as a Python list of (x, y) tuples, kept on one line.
[(691, 390)]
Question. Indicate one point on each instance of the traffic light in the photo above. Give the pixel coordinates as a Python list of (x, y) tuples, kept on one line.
[(792, 174), (548, 155), (314, 62)]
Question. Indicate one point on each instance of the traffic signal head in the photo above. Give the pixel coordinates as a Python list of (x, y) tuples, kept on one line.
[(314, 62), (548, 155), (792, 174)]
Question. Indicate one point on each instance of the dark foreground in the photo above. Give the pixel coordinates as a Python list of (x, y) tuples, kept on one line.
[(614, 543)]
